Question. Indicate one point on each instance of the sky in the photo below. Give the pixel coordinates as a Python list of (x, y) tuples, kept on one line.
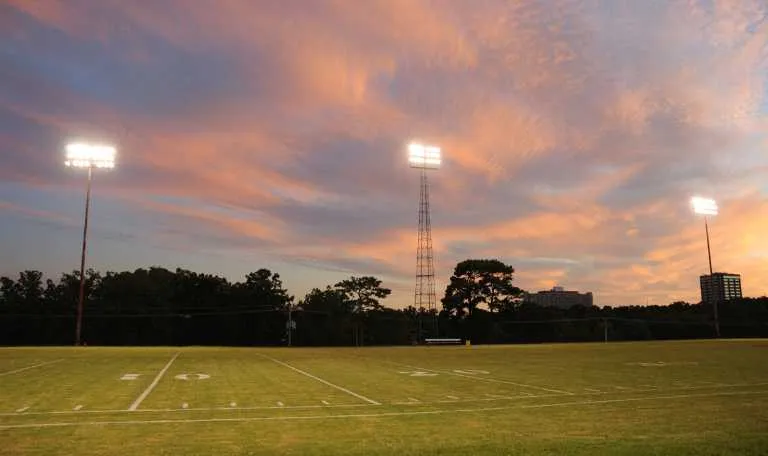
[(265, 133)]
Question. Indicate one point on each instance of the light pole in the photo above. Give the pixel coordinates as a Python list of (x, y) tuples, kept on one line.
[(707, 207), (424, 158), (88, 156)]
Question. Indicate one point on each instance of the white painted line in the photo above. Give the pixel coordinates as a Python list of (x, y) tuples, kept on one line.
[(325, 382), (367, 415), (325, 402), (22, 410), (16, 371), (233, 404), (623, 388), (498, 396), (413, 399), (279, 404), (185, 405), (200, 409), (152, 385), (486, 379), (452, 397), (592, 390), (78, 408)]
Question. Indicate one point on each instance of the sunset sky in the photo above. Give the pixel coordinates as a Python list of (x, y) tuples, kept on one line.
[(266, 133)]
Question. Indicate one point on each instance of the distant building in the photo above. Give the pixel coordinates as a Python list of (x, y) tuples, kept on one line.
[(720, 287), (560, 298)]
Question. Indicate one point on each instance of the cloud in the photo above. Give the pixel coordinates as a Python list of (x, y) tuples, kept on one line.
[(573, 132)]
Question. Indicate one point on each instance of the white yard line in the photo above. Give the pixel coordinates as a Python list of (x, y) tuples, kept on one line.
[(367, 415), (22, 410), (77, 408), (152, 385), (489, 398), (325, 402), (325, 382), (193, 409), (280, 404), (16, 371)]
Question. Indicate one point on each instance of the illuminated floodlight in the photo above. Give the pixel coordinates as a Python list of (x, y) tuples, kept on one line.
[(80, 155), (704, 206), (424, 157)]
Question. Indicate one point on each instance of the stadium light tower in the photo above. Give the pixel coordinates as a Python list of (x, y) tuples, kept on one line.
[(708, 207), (425, 158), (88, 156)]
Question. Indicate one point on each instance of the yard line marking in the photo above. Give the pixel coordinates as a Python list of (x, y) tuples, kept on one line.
[(77, 408), (413, 400), (16, 371), (325, 382), (199, 409), (233, 404), (486, 379), (622, 388), (279, 404), (452, 397), (22, 410), (491, 398), (366, 415), (185, 405), (592, 390), (325, 402), (152, 385)]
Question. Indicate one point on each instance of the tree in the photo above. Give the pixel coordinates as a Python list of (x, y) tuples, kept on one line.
[(363, 293), (265, 288), (476, 282)]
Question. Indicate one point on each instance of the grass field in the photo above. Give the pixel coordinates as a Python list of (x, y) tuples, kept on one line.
[(682, 398)]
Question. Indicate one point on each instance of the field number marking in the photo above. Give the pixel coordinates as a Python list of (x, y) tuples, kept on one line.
[(192, 376), (152, 385), (325, 382), (418, 373), (129, 376)]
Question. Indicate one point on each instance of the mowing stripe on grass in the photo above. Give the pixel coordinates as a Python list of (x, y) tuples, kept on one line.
[(325, 382), (152, 385), (364, 415), (16, 371)]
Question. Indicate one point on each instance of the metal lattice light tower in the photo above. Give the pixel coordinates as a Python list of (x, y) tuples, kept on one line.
[(425, 158), (87, 156), (708, 207)]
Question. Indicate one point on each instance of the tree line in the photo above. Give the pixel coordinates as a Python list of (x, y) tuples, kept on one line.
[(156, 306)]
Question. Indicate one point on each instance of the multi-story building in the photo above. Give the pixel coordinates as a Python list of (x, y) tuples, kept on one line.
[(561, 298), (720, 287)]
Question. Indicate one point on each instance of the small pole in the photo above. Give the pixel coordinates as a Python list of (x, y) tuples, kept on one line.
[(79, 324), (290, 324), (711, 283)]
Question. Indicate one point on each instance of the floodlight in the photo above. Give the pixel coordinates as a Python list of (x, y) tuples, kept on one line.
[(424, 157), (87, 156), (704, 206), (80, 155)]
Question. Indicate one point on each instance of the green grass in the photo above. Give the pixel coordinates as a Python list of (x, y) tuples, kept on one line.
[(689, 398)]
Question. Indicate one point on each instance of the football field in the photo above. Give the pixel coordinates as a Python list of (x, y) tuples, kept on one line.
[(690, 397)]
